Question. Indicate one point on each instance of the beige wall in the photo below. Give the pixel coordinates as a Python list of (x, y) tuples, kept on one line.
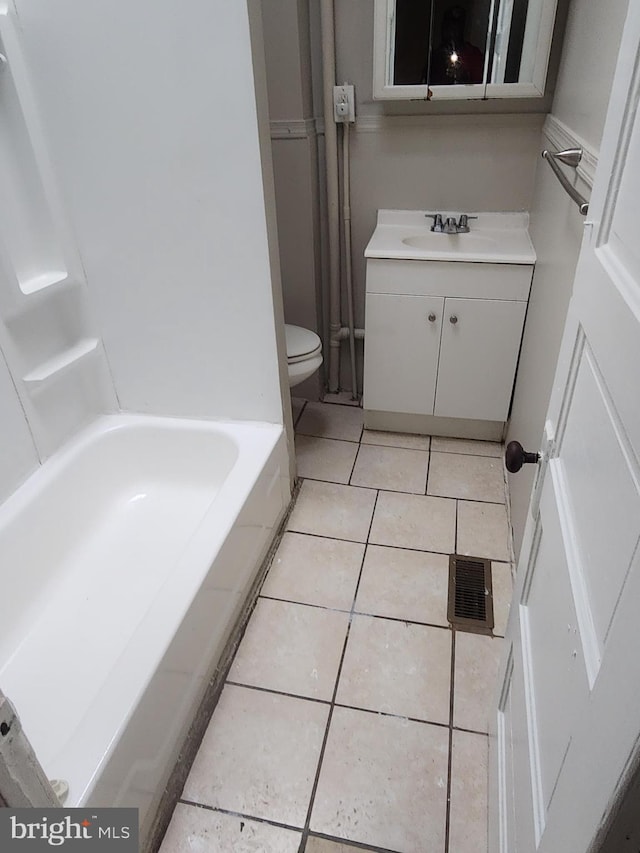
[(287, 36), (584, 81)]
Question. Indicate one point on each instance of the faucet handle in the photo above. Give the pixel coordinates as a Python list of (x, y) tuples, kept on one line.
[(437, 221), (463, 224)]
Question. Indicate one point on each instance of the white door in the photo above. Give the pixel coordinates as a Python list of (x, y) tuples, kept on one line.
[(567, 728)]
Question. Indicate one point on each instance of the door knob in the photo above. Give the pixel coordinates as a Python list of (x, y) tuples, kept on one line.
[(432, 318), (453, 319), (516, 456)]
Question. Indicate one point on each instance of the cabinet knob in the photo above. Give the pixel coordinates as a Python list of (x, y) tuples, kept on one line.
[(432, 318), (453, 319)]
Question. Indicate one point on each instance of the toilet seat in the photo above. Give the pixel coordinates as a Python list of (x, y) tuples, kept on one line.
[(302, 344)]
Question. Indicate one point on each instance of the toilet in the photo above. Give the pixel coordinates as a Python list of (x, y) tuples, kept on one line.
[(304, 353)]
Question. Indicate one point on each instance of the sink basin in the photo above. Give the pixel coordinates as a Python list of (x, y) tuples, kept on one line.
[(494, 238), (434, 241)]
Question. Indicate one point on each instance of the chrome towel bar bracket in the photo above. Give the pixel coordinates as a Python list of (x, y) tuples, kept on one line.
[(570, 157)]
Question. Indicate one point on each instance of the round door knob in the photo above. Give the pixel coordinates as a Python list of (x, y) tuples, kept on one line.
[(432, 318), (516, 456), (453, 319)]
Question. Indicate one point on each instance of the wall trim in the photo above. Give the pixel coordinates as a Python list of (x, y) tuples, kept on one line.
[(561, 136), (293, 128)]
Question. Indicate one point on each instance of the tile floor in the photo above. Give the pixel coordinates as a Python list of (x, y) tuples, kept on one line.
[(352, 712)]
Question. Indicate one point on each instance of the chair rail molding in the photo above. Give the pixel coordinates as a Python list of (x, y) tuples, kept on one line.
[(560, 137)]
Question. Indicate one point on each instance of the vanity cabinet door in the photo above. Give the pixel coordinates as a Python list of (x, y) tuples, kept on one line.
[(478, 358), (401, 352)]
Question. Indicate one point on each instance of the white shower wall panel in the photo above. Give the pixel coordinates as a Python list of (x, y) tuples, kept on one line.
[(150, 113), (18, 456)]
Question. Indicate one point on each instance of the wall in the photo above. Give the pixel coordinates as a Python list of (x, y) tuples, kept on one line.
[(158, 158), (469, 162), (577, 118), (55, 376), (294, 143), (18, 455)]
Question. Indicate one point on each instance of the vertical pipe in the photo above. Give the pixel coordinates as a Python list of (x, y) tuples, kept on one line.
[(333, 192), (346, 207)]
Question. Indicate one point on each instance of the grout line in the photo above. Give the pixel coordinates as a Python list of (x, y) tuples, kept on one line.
[(297, 420), (316, 781), (447, 825), (328, 438), (382, 544), (306, 603), (455, 538), (402, 717), (353, 467), (470, 731), (356, 612), (239, 815), (336, 704), (348, 843), (276, 692), (475, 455), (401, 492)]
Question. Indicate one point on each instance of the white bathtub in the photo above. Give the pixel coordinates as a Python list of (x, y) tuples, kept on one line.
[(124, 562)]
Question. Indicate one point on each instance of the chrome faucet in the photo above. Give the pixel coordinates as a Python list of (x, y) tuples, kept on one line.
[(450, 226), (463, 224), (437, 222)]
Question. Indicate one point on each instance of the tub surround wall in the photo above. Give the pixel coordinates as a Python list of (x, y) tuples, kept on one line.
[(159, 162), (50, 345), (256, 25), (18, 454), (556, 227)]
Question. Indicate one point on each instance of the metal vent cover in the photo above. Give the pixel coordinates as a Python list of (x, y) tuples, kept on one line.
[(470, 605)]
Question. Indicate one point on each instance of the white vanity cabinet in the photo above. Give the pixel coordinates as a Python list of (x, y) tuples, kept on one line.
[(441, 345)]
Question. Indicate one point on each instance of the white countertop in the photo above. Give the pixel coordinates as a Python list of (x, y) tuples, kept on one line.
[(494, 238)]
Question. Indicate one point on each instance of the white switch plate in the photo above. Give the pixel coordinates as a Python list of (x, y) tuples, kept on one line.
[(344, 104)]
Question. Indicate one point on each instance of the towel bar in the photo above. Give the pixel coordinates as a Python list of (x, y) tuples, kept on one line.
[(571, 157)]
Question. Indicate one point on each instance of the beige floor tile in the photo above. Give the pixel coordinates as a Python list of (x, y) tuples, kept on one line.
[(475, 680), (483, 531), (315, 570), (391, 468), (323, 845), (383, 782), (404, 584), (465, 445), (474, 478), (327, 509), (397, 668), (246, 762), (292, 648), (193, 829), (328, 420), (325, 458), (414, 521), (502, 592), (396, 439), (468, 828)]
